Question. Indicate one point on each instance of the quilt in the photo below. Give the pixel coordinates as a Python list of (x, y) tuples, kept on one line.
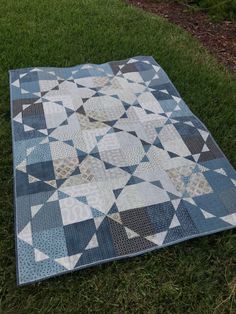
[(109, 163)]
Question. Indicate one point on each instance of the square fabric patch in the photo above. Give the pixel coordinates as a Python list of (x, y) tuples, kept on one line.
[(109, 162)]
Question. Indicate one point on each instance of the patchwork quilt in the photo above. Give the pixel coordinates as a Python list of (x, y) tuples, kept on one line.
[(109, 162)]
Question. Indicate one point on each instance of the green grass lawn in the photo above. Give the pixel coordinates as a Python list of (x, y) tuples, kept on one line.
[(197, 276)]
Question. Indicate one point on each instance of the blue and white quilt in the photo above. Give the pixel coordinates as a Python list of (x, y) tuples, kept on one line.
[(109, 162)]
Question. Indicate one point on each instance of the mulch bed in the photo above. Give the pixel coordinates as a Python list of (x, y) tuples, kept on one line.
[(218, 38)]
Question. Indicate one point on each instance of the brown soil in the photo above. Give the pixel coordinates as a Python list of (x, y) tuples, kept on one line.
[(218, 38)]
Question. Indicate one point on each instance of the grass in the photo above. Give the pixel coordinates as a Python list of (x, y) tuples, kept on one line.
[(216, 9), (197, 276)]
